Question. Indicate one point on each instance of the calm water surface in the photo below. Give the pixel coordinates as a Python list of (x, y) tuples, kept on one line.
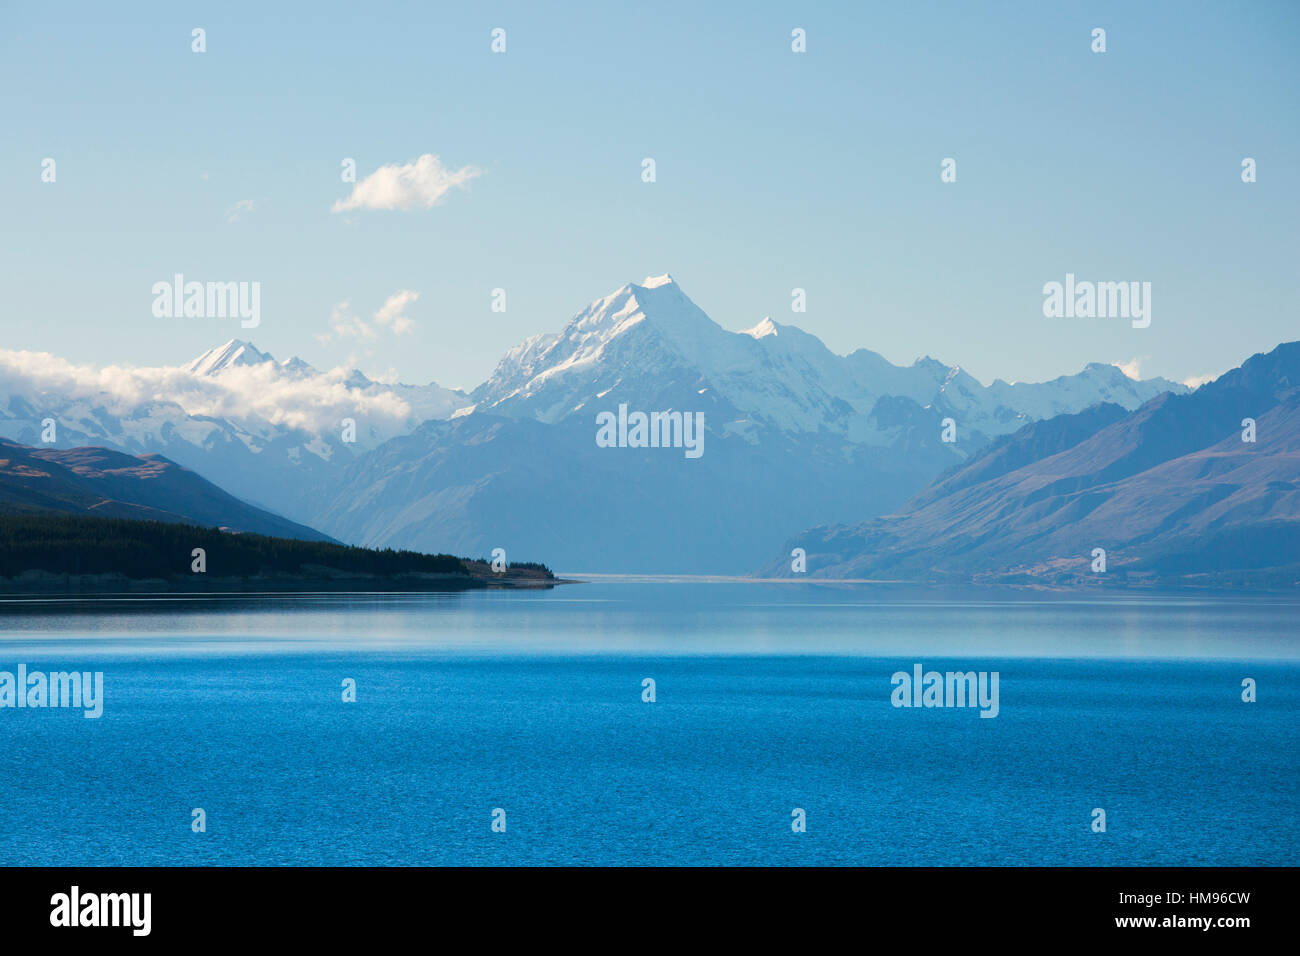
[(769, 698)]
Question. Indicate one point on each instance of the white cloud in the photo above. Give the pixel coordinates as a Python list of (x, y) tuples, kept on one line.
[(390, 316), (238, 209), (1132, 368), (1196, 381), (345, 325), (422, 183), (249, 395)]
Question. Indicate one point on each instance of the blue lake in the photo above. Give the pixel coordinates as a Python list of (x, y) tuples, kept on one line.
[(768, 698)]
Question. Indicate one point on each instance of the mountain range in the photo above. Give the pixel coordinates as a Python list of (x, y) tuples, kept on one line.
[(261, 429), (794, 436), (1202, 488)]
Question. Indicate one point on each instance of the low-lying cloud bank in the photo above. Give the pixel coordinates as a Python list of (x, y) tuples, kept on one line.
[(312, 401)]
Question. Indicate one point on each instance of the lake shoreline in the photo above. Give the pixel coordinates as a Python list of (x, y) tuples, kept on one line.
[(43, 583)]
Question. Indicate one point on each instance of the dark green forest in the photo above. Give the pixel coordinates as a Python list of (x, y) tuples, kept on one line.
[(151, 549)]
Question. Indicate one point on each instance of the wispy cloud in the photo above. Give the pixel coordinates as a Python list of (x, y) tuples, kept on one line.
[(239, 208), (391, 313), (1196, 381), (345, 325), (420, 184), (391, 316)]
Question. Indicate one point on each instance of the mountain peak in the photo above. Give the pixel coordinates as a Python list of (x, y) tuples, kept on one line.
[(657, 301), (297, 366), (232, 353), (932, 365), (763, 329)]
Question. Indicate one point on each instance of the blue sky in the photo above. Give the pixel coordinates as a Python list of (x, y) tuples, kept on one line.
[(775, 170)]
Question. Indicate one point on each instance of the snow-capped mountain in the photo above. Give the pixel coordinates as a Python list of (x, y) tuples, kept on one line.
[(642, 339), (233, 354), (347, 390), (791, 431), (793, 435), (264, 430), (1195, 489)]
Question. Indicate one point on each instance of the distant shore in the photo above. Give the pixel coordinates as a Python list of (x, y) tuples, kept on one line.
[(43, 582), (67, 554)]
